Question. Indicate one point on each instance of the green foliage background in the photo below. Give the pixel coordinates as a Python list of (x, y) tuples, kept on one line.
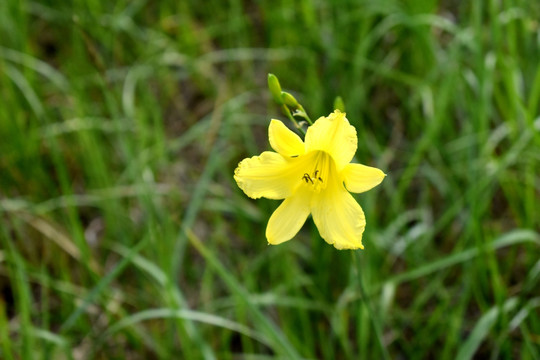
[(123, 234)]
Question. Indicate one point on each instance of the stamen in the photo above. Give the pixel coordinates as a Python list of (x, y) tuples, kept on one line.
[(307, 178), (319, 166), (317, 177)]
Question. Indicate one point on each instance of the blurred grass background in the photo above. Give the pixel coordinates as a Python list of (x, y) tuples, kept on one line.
[(123, 234)]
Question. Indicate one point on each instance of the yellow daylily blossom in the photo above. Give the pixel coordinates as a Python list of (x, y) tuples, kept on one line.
[(314, 177)]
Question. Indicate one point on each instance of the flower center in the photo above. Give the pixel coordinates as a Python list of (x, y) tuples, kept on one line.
[(317, 170)]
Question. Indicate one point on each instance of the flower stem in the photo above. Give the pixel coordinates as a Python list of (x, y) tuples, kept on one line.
[(305, 116), (291, 117), (373, 316)]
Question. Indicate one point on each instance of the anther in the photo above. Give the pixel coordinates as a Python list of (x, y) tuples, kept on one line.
[(310, 178), (317, 177), (307, 178)]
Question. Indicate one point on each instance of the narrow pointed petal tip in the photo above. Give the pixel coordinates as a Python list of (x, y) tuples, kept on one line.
[(359, 178), (356, 246), (288, 218), (283, 140)]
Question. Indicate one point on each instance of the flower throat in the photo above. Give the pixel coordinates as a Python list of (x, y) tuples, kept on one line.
[(318, 165)]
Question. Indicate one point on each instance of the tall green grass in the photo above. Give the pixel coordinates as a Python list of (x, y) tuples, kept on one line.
[(123, 234)]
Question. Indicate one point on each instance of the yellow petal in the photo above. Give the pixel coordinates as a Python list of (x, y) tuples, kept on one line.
[(339, 218), (334, 135), (269, 175), (289, 217), (359, 178), (283, 140)]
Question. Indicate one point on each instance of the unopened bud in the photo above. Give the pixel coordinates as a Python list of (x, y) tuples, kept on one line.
[(288, 99), (275, 88), (339, 104)]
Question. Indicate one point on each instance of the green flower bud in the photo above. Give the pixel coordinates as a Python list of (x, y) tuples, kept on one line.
[(339, 104), (288, 99), (275, 88)]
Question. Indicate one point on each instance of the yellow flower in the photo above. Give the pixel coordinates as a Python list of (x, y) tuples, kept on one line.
[(313, 177)]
